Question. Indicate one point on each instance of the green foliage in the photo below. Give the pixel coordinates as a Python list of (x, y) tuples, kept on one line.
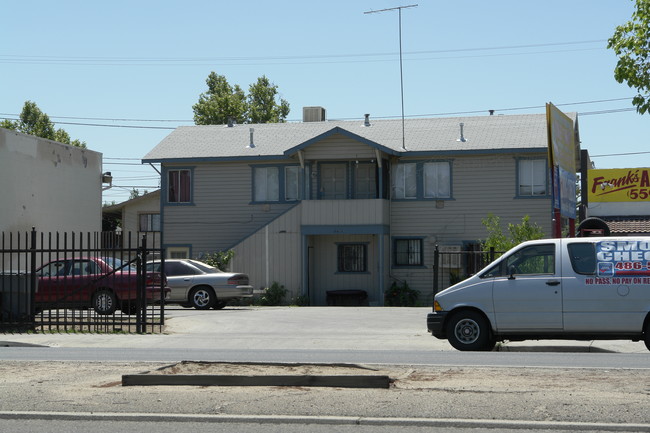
[(517, 233), (33, 121), (400, 295), (273, 295), (262, 107), (631, 43), (223, 101), (219, 260), (300, 301)]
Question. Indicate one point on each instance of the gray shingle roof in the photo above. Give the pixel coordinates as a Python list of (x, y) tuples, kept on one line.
[(276, 140)]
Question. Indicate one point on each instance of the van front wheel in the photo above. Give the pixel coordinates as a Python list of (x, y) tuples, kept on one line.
[(469, 330), (646, 336)]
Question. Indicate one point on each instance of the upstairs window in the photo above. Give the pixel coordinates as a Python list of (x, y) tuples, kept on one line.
[(437, 180), (532, 180), (422, 181), (179, 186), (406, 181), (276, 183), (267, 184)]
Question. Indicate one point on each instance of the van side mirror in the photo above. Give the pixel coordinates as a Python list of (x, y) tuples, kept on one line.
[(511, 272)]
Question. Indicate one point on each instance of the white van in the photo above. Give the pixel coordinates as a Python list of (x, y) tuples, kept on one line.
[(572, 288)]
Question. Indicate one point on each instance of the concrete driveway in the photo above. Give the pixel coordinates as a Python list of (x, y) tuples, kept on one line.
[(339, 328)]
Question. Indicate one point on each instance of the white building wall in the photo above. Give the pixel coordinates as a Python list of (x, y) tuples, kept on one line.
[(51, 186)]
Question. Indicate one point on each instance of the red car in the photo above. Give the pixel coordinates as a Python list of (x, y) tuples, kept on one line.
[(105, 284)]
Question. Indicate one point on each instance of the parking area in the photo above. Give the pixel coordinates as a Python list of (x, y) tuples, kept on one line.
[(299, 328)]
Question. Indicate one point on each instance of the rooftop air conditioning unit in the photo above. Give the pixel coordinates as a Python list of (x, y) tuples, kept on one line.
[(313, 114)]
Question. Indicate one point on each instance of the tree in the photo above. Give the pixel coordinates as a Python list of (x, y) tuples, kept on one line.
[(519, 233), (223, 102), (262, 107), (631, 43), (33, 121)]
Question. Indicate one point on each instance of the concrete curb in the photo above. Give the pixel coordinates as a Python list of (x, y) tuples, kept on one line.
[(333, 381), (328, 420)]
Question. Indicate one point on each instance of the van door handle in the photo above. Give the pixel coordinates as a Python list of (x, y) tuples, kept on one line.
[(552, 282)]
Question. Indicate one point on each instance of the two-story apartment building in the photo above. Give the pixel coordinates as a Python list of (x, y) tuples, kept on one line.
[(340, 205)]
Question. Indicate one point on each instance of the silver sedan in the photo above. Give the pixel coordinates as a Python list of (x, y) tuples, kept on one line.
[(196, 284)]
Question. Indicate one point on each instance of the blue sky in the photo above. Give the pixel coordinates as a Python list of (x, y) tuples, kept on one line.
[(144, 64)]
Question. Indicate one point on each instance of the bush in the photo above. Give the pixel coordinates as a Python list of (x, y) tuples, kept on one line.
[(219, 260), (273, 295), (300, 301), (401, 296)]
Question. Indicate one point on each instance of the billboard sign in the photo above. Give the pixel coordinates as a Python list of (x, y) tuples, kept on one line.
[(630, 185)]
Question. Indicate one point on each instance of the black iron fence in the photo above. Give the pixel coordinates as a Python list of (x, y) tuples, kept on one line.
[(79, 282), (451, 267)]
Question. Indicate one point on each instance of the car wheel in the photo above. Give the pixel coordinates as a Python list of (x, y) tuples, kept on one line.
[(104, 302), (219, 305), (469, 330), (646, 336), (202, 298)]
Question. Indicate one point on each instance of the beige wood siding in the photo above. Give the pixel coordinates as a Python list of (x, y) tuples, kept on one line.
[(345, 212), (222, 214), (131, 220), (481, 185), (338, 147), (273, 254), (326, 275)]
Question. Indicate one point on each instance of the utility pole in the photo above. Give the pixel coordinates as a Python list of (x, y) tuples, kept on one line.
[(401, 73)]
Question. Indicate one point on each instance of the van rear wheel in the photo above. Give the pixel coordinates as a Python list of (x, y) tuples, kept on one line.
[(469, 330), (646, 335)]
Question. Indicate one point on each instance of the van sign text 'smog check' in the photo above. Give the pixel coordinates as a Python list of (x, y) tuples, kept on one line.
[(624, 258)]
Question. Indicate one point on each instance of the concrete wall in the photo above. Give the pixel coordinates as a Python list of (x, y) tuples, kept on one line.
[(48, 185)]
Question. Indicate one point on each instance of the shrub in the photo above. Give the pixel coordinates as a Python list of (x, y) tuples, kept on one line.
[(273, 295), (400, 296), (219, 260)]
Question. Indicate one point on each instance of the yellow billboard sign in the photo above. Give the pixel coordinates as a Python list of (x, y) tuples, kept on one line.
[(631, 185)]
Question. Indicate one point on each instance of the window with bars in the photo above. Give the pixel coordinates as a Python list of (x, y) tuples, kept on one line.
[(408, 252), (352, 258)]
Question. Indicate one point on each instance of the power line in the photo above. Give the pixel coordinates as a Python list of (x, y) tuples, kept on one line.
[(454, 113), (157, 61)]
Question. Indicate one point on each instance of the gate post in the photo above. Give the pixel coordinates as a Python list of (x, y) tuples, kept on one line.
[(32, 276), (436, 270)]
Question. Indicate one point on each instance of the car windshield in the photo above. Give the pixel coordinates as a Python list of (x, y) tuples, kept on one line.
[(116, 263), (205, 267)]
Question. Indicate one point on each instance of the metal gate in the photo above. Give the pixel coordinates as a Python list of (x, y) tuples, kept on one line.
[(79, 282)]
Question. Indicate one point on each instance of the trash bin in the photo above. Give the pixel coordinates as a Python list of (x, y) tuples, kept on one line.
[(15, 297)]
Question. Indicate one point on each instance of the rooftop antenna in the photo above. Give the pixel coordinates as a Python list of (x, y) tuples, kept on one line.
[(401, 74)]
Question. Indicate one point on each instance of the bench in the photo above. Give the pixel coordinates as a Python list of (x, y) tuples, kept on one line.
[(347, 298)]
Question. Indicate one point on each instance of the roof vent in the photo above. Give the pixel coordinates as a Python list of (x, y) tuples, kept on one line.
[(231, 122), (252, 144), (313, 114), (491, 112), (366, 122), (462, 138)]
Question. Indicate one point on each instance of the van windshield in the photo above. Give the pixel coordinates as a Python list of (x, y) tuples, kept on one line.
[(534, 259)]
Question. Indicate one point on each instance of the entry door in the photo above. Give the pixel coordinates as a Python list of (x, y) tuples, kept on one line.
[(333, 181), (528, 293)]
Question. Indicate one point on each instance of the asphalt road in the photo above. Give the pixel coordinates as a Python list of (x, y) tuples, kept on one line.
[(548, 385)]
